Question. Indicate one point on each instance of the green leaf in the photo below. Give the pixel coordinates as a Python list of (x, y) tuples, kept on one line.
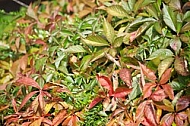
[(152, 11), (117, 42), (142, 28), (169, 17), (186, 16), (95, 40), (85, 62), (99, 54), (40, 63), (117, 10), (164, 65), (131, 4), (161, 54), (58, 61), (75, 49), (177, 85), (136, 91), (108, 31), (138, 22)]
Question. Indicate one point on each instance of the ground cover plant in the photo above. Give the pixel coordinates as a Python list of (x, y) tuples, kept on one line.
[(96, 62)]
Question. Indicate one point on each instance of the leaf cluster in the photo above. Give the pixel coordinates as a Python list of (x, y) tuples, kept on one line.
[(97, 62)]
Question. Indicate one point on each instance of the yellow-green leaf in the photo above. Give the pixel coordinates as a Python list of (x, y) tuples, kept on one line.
[(108, 31), (117, 10), (164, 65), (95, 40)]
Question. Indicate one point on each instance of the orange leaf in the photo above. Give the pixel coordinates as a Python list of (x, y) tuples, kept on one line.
[(67, 121), (23, 62), (28, 82), (148, 72), (26, 124), (74, 120), (168, 90), (37, 122), (59, 117), (26, 98), (166, 76), (95, 101), (121, 92), (147, 89), (47, 121)]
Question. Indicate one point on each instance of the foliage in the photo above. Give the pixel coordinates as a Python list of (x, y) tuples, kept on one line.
[(96, 63)]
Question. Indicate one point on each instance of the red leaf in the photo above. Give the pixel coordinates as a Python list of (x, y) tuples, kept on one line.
[(41, 100), (168, 90), (14, 105), (95, 101), (125, 75), (158, 95), (182, 103), (150, 114), (167, 119), (40, 42), (165, 76), (59, 118), (148, 72), (145, 122), (140, 111), (147, 89), (28, 82), (26, 98), (121, 92), (179, 118), (106, 83)]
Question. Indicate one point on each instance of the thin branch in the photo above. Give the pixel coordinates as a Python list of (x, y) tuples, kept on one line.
[(21, 3)]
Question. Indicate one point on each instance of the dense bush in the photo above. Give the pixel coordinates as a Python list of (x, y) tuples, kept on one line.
[(103, 62)]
